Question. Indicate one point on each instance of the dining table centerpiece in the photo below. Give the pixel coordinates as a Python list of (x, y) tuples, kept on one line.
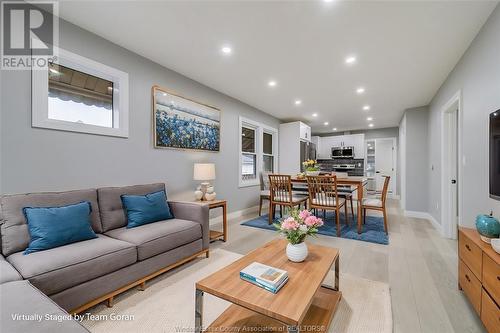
[(296, 227), (311, 167)]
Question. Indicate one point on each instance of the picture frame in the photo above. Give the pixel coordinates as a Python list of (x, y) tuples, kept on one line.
[(183, 123)]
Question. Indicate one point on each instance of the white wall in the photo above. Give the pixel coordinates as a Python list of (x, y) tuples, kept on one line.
[(477, 75), (34, 159), (415, 165)]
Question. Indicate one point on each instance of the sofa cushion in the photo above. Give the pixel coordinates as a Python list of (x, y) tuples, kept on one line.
[(51, 227), (110, 202), (155, 238), (66, 266), (7, 272), (14, 229), (20, 298), (144, 209)]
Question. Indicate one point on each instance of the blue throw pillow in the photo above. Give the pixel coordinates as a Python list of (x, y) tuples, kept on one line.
[(51, 227), (144, 209)]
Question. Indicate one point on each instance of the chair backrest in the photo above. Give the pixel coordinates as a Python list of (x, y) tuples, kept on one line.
[(385, 189), (264, 180), (281, 188), (322, 191)]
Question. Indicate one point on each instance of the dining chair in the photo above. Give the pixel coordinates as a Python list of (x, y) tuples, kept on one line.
[(345, 191), (282, 194), (323, 194), (377, 203), (265, 193)]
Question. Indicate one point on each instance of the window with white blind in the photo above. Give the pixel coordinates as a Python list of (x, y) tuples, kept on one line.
[(258, 151)]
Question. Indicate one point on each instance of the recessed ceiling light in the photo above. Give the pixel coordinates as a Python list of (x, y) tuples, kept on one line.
[(326, 123), (370, 125), (360, 90), (369, 118), (366, 107), (298, 102), (164, 94), (327, 1), (350, 60), (226, 50), (314, 115), (334, 129), (272, 83)]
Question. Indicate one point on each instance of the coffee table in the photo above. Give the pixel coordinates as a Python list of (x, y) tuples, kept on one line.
[(304, 303)]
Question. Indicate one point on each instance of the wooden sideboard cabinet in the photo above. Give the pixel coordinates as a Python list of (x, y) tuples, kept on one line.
[(479, 277)]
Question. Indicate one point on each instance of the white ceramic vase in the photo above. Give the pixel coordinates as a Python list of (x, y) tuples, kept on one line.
[(312, 173), (296, 252)]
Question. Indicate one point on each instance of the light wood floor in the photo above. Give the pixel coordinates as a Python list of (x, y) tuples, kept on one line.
[(418, 264)]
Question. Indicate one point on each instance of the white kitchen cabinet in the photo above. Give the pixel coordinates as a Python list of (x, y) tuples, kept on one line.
[(351, 140), (324, 149), (305, 132), (358, 142), (316, 140)]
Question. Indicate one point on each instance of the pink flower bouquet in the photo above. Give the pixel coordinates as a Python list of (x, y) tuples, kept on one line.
[(299, 225)]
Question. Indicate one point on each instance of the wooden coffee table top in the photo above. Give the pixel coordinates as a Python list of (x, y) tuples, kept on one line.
[(291, 303)]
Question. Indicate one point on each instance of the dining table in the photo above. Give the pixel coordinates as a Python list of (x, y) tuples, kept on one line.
[(354, 181)]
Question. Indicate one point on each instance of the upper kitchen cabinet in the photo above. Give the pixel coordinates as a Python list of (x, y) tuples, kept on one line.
[(358, 142), (326, 143), (305, 132), (316, 140)]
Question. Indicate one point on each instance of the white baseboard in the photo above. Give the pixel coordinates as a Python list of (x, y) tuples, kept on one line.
[(235, 214), (426, 216)]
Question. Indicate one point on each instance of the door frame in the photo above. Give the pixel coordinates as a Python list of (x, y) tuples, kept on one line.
[(449, 226), (394, 193)]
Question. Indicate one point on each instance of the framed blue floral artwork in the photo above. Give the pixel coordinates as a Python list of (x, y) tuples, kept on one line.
[(182, 123)]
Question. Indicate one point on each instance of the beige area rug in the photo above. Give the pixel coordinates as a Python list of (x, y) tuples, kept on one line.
[(167, 305)]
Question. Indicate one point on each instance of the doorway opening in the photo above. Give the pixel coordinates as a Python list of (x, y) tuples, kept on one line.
[(380, 161), (451, 185)]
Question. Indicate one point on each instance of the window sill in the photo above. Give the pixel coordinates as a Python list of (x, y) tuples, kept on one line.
[(80, 128), (249, 183)]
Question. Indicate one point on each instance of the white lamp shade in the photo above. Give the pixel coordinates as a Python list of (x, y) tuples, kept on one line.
[(204, 171)]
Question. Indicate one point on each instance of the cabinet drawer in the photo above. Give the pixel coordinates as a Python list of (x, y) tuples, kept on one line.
[(490, 314), (470, 285), (491, 277), (471, 254)]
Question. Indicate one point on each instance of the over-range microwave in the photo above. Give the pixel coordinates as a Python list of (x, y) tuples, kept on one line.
[(342, 152)]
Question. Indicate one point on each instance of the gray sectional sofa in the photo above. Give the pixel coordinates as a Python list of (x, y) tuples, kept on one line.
[(80, 275)]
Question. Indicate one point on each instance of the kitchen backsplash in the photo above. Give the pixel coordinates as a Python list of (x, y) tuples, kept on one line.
[(344, 165)]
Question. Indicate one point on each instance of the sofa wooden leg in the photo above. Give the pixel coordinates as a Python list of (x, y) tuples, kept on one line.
[(110, 302), (142, 286), (207, 254)]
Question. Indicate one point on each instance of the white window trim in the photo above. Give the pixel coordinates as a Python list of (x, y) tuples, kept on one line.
[(260, 129), (40, 89)]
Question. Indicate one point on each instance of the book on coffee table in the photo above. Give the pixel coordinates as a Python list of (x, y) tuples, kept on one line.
[(273, 290), (267, 277)]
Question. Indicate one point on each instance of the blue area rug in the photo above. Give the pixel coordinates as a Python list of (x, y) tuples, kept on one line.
[(373, 230)]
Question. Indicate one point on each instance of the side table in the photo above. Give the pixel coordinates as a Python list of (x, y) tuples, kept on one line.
[(215, 234)]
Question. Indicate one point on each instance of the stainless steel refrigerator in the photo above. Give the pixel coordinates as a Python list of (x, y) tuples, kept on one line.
[(307, 152)]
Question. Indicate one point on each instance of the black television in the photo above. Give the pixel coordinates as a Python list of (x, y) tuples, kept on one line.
[(495, 155)]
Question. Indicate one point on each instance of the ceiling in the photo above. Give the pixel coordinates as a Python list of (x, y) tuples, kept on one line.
[(404, 50)]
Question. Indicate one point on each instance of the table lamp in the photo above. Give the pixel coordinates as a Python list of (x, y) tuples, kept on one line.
[(204, 172)]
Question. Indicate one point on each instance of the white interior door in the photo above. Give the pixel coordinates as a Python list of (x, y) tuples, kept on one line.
[(385, 158), (452, 157)]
